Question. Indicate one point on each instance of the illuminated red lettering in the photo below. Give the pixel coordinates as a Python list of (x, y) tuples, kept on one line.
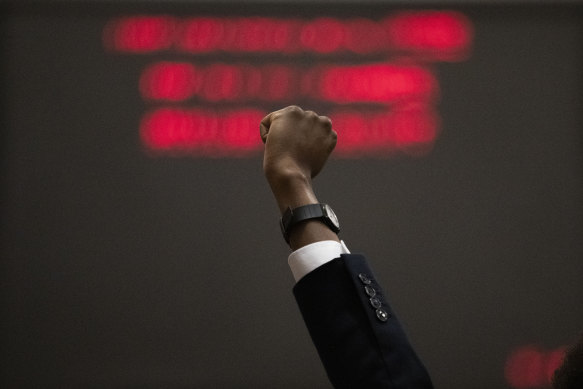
[(200, 35), (222, 82), (365, 36), (410, 129), (220, 133), (378, 107), (201, 132), (375, 83), (323, 35), (432, 35), (379, 83), (438, 35), (140, 34), (169, 81)]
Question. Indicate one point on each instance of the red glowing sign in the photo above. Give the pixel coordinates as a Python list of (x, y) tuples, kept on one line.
[(234, 132), (140, 34), (201, 132), (381, 83), (208, 107), (446, 35), (531, 367)]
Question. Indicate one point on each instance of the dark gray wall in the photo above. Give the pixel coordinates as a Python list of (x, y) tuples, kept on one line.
[(123, 270)]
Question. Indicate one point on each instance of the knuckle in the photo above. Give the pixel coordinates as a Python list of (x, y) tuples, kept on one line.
[(312, 115), (326, 122), (294, 110)]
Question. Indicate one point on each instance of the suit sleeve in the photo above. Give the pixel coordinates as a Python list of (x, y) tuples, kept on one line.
[(357, 335)]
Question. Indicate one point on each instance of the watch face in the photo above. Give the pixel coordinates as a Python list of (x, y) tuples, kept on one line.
[(330, 213)]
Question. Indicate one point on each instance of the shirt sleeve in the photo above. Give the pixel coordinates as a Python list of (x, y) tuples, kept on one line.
[(310, 257)]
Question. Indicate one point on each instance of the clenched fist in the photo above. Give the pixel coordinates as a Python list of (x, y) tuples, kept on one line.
[(297, 142)]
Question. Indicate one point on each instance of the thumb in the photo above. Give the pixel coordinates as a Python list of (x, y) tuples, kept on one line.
[(264, 127)]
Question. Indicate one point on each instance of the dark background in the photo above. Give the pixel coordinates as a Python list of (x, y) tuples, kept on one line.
[(124, 270)]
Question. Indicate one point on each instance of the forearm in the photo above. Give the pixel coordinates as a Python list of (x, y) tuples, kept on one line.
[(292, 190)]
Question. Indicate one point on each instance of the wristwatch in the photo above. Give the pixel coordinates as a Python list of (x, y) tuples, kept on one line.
[(321, 212)]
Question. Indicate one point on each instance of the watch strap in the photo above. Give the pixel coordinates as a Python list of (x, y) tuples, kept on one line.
[(291, 217)]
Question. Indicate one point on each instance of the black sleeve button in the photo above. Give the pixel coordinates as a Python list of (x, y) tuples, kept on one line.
[(364, 279), (382, 315), (375, 302), (370, 291)]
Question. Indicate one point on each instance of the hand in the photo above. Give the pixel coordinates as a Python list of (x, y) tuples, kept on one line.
[(297, 146), (297, 143)]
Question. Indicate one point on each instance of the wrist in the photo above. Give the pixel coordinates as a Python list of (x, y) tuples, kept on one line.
[(291, 189)]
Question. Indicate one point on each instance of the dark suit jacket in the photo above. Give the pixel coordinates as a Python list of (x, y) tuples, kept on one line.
[(358, 337)]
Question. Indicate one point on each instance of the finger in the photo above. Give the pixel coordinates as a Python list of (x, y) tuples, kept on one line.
[(326, 121), (268, 119), (264, 126), (334, 140), (312, 115)]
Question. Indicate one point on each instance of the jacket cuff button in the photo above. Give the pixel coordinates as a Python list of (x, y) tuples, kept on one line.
[(382, 315), (375, 302), (364, 279), (370, 291)]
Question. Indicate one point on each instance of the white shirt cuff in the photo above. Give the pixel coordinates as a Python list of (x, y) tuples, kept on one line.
[(307, 258)]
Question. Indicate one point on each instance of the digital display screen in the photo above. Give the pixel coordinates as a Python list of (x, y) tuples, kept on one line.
[(140, 244), (372, 76)]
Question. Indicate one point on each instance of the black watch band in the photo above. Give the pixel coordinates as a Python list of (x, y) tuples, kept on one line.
[(321, 212)]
